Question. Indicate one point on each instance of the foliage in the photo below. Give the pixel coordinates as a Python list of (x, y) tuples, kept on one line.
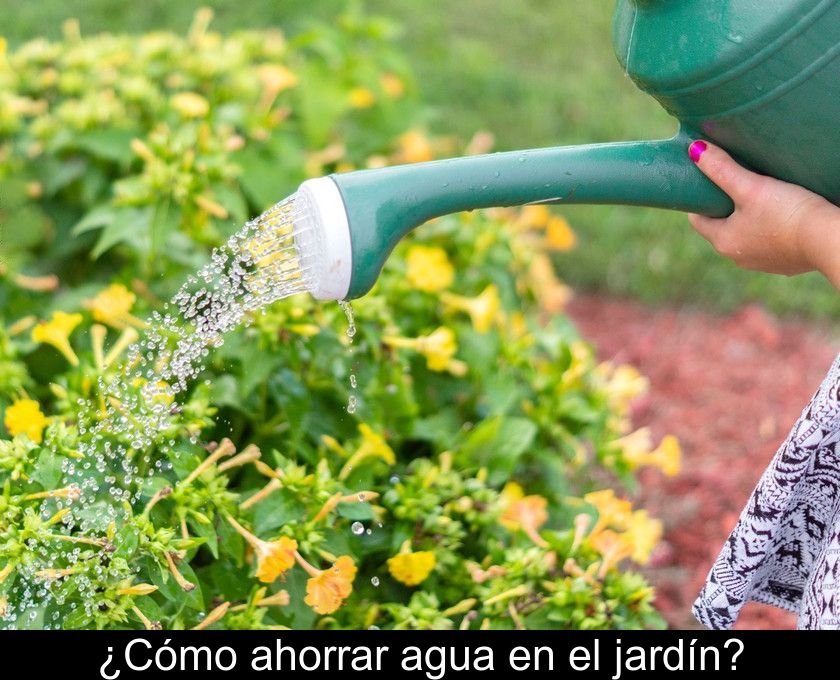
[(438, 487)]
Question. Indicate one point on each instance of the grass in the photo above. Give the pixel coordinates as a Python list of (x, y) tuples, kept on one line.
[(535, 73)]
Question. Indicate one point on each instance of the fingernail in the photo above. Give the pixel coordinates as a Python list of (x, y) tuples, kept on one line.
[(696, 150)]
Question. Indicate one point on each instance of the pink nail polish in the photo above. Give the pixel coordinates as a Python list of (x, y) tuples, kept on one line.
[(696, 150)]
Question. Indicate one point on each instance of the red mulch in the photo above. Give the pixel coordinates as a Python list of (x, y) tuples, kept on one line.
[(729, 387)]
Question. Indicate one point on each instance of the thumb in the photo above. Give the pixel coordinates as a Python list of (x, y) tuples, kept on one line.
[(719, 167)]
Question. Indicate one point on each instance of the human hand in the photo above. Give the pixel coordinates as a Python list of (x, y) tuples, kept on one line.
[(776, 227)]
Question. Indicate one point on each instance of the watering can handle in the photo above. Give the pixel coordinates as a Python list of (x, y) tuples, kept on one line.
[(384, 204)]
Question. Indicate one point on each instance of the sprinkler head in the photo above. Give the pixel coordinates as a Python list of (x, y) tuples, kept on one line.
[(322, 235)]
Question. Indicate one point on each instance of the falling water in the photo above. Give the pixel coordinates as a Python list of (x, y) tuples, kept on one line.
[(256, 267), (352, 399)]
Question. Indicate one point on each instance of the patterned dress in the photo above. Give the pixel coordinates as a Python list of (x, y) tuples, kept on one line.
[(785, 548)]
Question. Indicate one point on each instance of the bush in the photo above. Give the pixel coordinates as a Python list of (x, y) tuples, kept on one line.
[(437, 469)]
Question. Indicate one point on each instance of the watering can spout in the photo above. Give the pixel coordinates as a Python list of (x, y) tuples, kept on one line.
[(380, 206)]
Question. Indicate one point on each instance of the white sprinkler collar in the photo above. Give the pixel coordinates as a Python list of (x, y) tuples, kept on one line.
[(332, 239)]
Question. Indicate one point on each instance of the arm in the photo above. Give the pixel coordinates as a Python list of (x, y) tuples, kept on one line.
[(777, 227)]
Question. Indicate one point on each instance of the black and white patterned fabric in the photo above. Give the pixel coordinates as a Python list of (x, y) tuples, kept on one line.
[(785, 548)]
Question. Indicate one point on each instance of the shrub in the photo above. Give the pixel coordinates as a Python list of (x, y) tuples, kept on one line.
[(452, 481)]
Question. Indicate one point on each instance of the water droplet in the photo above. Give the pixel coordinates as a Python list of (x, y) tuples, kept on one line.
[(375, 581), (353, 383), (394, 479), (357, 528)]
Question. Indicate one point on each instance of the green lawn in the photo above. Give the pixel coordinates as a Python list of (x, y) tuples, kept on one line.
[(535, 73)]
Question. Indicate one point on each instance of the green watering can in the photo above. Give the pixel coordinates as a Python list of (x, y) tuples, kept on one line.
[(759, 77)]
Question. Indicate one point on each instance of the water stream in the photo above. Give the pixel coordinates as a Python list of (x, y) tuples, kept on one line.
[(257, 266)]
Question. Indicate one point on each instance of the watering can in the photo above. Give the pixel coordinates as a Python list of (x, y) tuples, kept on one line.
[(761, 78)]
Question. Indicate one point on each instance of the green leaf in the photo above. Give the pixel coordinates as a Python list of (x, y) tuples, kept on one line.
[(131, 225), (110, 144), (356, 511), (47, 471), (497, 444)]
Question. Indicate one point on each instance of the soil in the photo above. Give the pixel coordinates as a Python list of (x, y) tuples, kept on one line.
[(729, 387)]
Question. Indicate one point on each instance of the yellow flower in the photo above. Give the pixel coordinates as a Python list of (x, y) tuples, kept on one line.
[(190, 104), (112, 306), (361, 98), (636, 449), (24, 417), (552, 294), (276, 78), (624, 384), (56, 332), (559, 235), (643, 533), (372, 446), (612, 511), (527, 513), (483, 309), (534, 216), (273, 557), (392, 85), (668, 456), (428, 268), (326, 590), (412, 568), (438, 347), (414, 147)]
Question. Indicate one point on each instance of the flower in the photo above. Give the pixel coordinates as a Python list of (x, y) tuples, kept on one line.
[(667, 456), (643, 533), (273, 557), (552, 294), (636, 450), (276, 78), (483, 309), (56, 332), (361, 98), (624, 383), (373, 446), (533, 216), (429, 269), (327, 590), (190, 104), (438, 347), (613, 547), (414, 147), (612, 511), (412, 568), (527, 513), (24, 416), (392, 85), (112, 306), (559, 235)]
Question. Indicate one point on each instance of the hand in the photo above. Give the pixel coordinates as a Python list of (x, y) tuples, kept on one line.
[(777, 227)]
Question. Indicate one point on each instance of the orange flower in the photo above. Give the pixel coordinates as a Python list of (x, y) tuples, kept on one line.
[(613, 548), (273, 557), (327, 590), (414, 147), (527, 513)]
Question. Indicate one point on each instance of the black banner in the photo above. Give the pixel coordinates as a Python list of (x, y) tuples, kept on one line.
[(420, 655)]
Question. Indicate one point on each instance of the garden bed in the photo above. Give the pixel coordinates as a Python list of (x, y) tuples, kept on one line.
[(729, 387)]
